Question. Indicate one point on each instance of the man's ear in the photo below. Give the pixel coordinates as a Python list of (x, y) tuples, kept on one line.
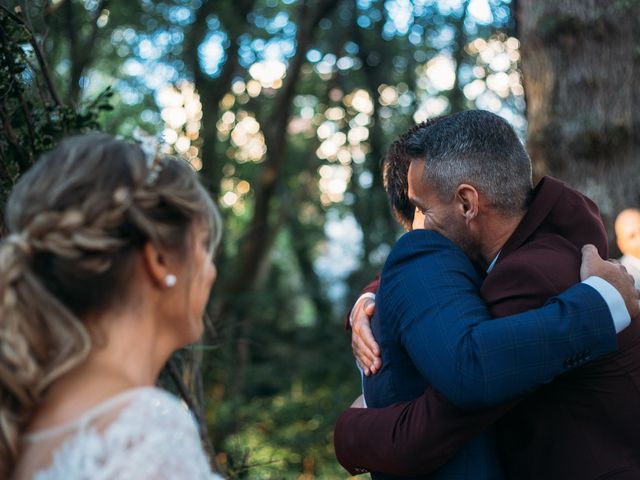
[(418, 220), (155, 264), (468, 201)]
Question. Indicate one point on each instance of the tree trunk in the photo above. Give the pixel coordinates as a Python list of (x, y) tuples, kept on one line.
[(256, 245), (81, 50), (457, 99), (265, 222), (579, 61), (212, 90)]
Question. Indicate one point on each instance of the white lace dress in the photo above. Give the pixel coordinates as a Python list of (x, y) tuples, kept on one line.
[(144, 433)]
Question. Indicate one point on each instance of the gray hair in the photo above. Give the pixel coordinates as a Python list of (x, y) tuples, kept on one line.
[(478, 148)]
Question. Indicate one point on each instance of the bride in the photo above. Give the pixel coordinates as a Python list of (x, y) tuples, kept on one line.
[(105, 272)]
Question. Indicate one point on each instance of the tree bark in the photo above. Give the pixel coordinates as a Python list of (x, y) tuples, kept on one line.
[(579, 61)]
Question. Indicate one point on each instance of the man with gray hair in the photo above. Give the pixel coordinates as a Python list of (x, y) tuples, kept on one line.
[(471, 178)]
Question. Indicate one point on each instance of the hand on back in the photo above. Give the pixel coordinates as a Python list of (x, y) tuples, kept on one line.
[(612, 272), (365, 349)]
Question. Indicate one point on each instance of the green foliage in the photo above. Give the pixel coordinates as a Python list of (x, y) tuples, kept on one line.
[(626, 5), (275, 366), (288, 434), (32, 120), (282, 425)]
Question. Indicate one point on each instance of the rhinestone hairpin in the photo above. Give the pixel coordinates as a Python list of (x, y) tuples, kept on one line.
[(150, 146)]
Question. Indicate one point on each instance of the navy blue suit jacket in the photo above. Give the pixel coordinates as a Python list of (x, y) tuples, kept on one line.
[(433, 329)]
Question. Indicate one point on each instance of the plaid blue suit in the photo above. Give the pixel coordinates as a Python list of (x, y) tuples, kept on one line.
[(433, 329)]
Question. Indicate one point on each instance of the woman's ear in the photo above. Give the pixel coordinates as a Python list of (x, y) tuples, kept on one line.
[(468, 200), (156, 266)]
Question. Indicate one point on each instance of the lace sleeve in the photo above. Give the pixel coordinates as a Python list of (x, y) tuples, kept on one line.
[(144, 433), (155, 437)]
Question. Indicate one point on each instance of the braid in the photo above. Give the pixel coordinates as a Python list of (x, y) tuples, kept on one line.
[(29, 361), (74, 236), (13, 347)]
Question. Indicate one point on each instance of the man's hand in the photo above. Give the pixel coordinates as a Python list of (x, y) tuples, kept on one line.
[(365, 348), (614, 273)]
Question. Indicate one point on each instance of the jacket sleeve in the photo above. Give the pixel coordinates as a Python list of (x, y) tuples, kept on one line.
[(408, 438), (433, 301), (419, 436)]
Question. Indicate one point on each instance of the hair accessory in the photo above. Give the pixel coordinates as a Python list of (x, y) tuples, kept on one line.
[(20, 241), (121, 195), (150, 146), (170, 280)]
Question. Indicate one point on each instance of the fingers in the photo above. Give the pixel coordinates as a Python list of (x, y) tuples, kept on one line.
[(612, 272), (364, 358), (624, 270), (365, 347), (366, 336), (364, 327), (591, 261), (366, 353), (369, 308)]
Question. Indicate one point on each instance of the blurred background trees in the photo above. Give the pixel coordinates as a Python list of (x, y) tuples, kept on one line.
[(579, 59), (286, 107)]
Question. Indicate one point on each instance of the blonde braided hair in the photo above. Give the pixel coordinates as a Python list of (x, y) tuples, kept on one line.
[(75, 220)]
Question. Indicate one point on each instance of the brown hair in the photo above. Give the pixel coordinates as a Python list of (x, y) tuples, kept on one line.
[(395, 171), (74, 221)]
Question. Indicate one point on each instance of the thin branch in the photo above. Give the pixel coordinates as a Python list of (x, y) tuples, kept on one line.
[(4, 176), (25, 10), (46, 10), (39, 86), (13, 140), (41, 60), (44, 67), (18, 90), (12, 15)]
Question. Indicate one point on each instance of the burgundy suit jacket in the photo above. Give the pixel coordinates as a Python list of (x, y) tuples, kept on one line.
[(584, 425)]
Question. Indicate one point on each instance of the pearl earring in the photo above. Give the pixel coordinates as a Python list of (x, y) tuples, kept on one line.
[(170, 280)]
